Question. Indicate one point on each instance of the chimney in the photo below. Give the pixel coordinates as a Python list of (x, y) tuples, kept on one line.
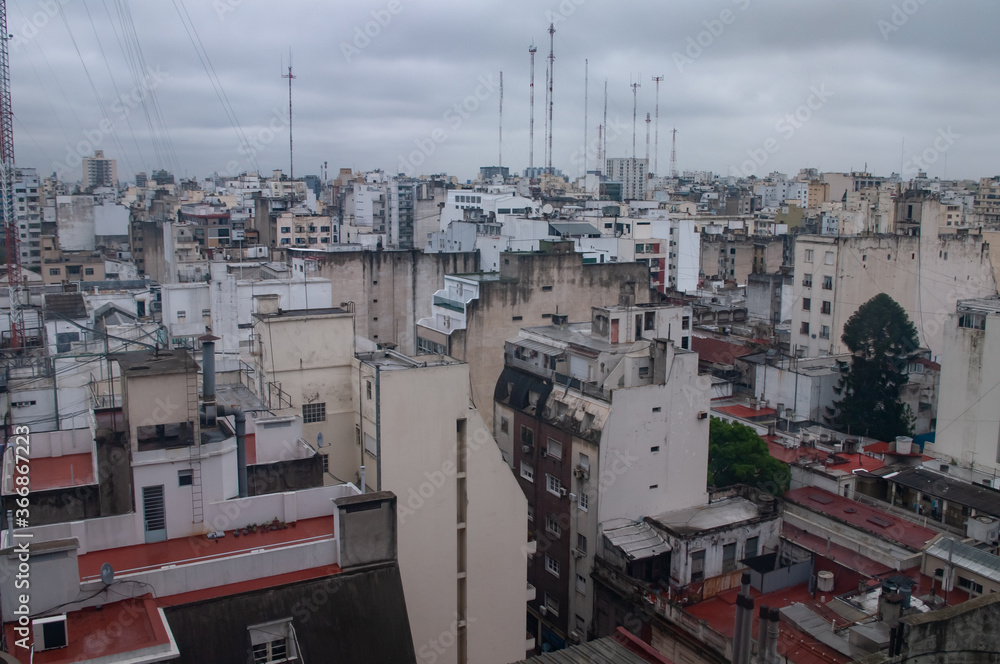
[(771, 655), (762, 634)]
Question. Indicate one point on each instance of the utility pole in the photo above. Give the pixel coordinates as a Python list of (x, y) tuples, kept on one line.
[(673, 155), (635, 88), (656, 149), (647, 140), (500, 159), (291, 153)]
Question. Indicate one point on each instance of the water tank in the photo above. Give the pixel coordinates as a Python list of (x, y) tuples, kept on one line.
[(903, 444), (824, 582)]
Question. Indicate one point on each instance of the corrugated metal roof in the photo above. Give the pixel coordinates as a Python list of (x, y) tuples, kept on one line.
[(544, 349), (966, 557), (636, 540)]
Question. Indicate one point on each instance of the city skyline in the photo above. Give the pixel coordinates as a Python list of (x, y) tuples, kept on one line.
[(751, 87)]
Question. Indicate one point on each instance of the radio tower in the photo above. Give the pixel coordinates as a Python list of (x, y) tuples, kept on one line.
[(291, 153), (531, 116), (15, 281), (586, 80), (635, 88), (552, 62), (673, 155), (604, 145), (500, 159), (656, 147), (647, 140)]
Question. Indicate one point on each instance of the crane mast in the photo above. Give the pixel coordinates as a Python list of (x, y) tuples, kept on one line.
[(12, 242)]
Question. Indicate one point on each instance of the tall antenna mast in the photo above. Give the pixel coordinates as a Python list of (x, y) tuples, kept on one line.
[(635, 88), (291, 152), (15, 281), (647, 140), (673, 155), (604, 145), (586, 81), (552, 62), (531, 116), (656, 148), (500, 160)]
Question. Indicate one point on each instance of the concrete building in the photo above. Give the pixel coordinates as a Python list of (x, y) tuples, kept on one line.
[(69, 266), (926, 275), (986, 208), (599, 421), (27, 204), (474, 314), (99, 172), (301, 227), (769, 296), (631, 173), (969, 410)]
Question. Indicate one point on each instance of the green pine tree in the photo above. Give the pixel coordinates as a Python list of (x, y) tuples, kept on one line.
[(881, 339), (737, 455)]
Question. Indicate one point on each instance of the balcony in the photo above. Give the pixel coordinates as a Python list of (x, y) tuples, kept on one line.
[(448, 303), (530, 595)]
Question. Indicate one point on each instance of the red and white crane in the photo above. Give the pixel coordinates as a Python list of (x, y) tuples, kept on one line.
[(12, 242)]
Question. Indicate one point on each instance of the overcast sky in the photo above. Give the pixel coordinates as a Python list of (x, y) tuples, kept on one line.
[(752, 86)]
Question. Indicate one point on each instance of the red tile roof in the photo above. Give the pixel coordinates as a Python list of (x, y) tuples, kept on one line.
[(862, 516), (720, 613), (744, 411), (199, 548), (63, 471), (117, 628), (851, 462), (248, 586), (837, 553), (716, 351)]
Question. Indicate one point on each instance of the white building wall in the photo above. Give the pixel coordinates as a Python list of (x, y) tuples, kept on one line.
[(688, 254)]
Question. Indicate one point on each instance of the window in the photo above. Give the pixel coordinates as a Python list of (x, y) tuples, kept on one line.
[(313, 412), (824, 332), (827, 307), (654, 448), (286, 240), (751, 548), (827, 283), (326, 463), (581, 542), (698, 566), (584, 502), (552, 525), (553, 485), (517, 318), (686, 323), (804, 328), (206, 313), (185, 478), (972, 321), (368, 388), (970, 585), (553, 448), (286, 229), (581, 584), (89, 271), (527, 436), (809, 255), (551, 566), (273, 642), (504, 425), (828, 258), (728, 557), (552, 604), (807, 281), (806, 304), (657, 409), (546, 289), (527, 472), (54, 272), (531, 512), (324, 229)]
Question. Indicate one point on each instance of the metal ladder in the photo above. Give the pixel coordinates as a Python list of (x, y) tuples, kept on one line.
[(197, 499)]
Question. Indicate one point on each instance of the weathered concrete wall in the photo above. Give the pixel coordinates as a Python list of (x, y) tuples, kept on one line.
[(391, 290), (963, 634), (545, 284)]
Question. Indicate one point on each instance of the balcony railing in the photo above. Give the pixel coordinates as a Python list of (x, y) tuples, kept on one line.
[(448, 303)]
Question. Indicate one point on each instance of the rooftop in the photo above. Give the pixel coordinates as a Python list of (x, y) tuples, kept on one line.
[(986, 305), (389, 360), (155, 362), (862, 517), (62, 472), (148, 634), (717, 351), (66, 305), (980, 498), (619, 648), (295, 313), (719, 514), (636, 540), (834, 552), (200, 549), (966, 557)]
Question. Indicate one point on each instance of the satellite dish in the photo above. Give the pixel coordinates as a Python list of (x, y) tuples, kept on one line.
[(107, 573), (547, 209)]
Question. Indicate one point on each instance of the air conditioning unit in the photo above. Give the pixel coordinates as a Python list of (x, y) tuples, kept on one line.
[(581, 473), (563, 492), (702, 414), (50, 633), (526, 449), (577, 553)]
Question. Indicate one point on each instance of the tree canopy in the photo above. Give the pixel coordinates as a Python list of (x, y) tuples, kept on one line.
[(737, 455), (881, 338)]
